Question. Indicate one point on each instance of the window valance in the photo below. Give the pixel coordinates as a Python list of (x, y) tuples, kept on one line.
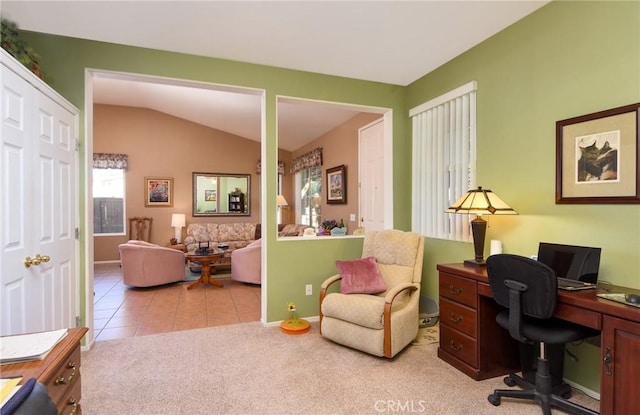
[(280, 167), (310, 159), (109, 161)]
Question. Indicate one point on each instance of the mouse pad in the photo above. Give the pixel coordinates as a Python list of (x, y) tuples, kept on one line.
[(617, 298)]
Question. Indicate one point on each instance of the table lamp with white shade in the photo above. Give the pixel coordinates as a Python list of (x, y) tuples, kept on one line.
[(480, 202), (281, 202), (178, 221)]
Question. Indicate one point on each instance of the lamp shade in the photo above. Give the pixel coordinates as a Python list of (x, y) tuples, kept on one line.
[(281, 201), (178, 220), (481, 202)]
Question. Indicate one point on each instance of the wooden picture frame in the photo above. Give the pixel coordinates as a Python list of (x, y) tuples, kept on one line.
[(337, 185), (597, 157), (158, 191)]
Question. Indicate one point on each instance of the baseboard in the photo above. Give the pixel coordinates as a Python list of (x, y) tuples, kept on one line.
[(590, 393), (113, 261)]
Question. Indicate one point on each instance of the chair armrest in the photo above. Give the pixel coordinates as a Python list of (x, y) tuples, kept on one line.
[(330, 281), (391, 295)]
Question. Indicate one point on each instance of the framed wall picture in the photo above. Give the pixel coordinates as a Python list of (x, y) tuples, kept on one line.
[(158, 191), (597, 157), (337, 185)]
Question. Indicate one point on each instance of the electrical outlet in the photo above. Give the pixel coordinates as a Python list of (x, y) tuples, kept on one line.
[(352, 217), (309, 289)]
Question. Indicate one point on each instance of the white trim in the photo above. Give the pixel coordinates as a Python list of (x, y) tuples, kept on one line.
[(458, 92)]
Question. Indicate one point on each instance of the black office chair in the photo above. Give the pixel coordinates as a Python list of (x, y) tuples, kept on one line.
[(528, 289)]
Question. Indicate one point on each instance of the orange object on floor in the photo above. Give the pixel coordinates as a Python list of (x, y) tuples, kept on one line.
[(297, 326)]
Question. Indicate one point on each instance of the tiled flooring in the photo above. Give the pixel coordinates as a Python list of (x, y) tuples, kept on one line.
[(121, 311)]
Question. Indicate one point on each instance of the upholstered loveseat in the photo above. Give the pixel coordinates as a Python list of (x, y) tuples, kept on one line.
[(234, 235)]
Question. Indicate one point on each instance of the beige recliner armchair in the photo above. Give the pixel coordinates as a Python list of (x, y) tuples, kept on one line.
[(384, 323), (145, 264)]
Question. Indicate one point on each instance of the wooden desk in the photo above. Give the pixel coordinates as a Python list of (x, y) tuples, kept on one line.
[(472, 341), (59, 372)]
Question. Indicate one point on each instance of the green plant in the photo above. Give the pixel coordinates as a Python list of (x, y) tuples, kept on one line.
[(11, 41)]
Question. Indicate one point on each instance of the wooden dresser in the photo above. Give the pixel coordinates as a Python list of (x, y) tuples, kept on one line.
[(59, 372), (470, 339)]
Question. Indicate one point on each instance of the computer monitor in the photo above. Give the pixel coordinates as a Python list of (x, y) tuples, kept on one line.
[(580, 263)]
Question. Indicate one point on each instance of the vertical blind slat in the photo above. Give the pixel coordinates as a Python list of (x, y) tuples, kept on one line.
[(443, 163)]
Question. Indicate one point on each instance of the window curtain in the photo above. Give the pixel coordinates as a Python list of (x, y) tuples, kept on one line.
[(310, 159), (109, 161), (280, 167), (444, 162)]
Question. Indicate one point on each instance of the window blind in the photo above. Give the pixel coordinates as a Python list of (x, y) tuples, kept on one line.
[(444, 162)]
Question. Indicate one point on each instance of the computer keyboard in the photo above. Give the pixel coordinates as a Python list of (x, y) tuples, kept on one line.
[(567, 284)]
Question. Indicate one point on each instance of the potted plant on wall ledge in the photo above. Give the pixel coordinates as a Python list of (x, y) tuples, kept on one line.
[(18, 48)]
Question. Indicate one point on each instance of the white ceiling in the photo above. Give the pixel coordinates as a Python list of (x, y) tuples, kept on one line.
[(393, 42)]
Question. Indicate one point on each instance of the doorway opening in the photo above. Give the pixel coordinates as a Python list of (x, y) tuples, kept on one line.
[(235, 111)]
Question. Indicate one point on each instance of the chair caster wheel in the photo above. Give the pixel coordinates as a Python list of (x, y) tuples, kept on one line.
[(509, 381), (494, 400)]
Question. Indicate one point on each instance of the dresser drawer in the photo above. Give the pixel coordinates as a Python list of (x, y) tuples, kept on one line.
[(458, 316), (459, 345), (70, 403), (61, 384), (459, 289)]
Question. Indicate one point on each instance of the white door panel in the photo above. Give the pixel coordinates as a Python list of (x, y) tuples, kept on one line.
[(17, 96), (38, 207), (371, 175)]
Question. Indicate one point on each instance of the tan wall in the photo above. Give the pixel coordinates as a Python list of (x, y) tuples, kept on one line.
[(161, 145), (340, 146)]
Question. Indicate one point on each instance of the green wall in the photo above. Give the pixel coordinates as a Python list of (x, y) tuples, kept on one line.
[(566, 59), (290, 265)]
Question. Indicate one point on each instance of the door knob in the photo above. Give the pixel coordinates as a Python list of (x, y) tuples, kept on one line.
[(43, 258), (28, 261)]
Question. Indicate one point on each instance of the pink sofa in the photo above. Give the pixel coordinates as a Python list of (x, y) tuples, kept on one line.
[(245, 263), (145, 264)]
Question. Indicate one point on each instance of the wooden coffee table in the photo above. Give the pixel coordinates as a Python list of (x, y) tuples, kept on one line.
[(205, 262)]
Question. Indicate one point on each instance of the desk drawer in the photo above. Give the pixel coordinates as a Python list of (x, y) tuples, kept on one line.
[(458, 316), (70, 404), (67, 376), (459, 289), (579, 315), (459, 345)]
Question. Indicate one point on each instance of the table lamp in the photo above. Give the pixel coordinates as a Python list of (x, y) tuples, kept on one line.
[(480, 202), (281, 202), (178, 222)]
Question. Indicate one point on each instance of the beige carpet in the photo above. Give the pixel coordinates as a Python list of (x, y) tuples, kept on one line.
[(427, 335), (250, 369)]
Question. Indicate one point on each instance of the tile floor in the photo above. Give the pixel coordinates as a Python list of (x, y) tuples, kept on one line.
[(121, 311)]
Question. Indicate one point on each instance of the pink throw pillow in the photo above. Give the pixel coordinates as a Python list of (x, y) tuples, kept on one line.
[(360, 276)]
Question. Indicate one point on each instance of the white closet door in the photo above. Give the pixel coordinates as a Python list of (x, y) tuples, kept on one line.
[(17, 99), (38, 185)]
